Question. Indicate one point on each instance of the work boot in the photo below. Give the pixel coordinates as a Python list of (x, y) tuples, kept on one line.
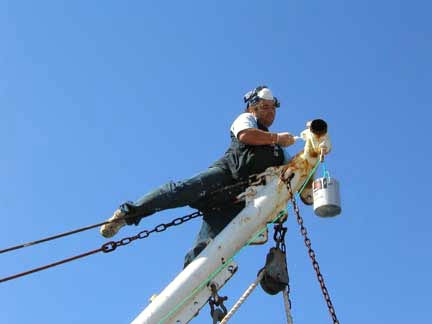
[(111, 229)]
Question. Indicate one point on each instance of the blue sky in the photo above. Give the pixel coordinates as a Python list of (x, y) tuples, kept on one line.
[(102, 101)]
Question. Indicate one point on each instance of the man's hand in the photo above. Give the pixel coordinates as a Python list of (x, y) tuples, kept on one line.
[(285, 139)]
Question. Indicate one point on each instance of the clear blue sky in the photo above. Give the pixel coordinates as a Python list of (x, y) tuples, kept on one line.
[(102, 101)]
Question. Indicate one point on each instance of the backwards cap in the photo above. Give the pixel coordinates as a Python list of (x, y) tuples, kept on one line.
[(261, 92)]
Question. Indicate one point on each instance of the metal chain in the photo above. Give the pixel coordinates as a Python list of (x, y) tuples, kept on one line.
[(312, 256), (111, 246), (279, 237), (215, 300)]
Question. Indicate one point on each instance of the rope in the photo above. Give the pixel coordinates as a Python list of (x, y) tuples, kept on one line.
[(287, 307), (51, 265), (82, 229), (242, 298)]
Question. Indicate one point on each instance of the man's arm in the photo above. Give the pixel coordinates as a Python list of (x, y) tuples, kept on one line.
[(255, 136)]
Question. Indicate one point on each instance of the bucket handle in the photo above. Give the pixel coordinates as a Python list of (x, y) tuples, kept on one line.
[(326, 173)]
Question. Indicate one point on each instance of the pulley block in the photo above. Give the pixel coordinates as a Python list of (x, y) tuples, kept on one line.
[(275, 278)]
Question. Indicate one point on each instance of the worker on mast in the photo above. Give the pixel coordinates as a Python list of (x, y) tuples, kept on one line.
[(253, 149)]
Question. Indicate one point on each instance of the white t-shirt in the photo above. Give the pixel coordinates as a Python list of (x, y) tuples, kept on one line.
[(246, 121), (242, 122)]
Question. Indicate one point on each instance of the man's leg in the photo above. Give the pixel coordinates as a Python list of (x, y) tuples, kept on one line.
[(204, 238), (213, 223), (170, 195)]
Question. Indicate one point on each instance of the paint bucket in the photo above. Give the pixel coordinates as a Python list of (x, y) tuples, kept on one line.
[(326, 197)]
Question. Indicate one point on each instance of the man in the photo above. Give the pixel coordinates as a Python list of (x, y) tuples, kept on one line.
[(253, 149)]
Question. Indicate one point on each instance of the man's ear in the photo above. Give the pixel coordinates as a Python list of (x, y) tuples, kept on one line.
[(252, 108)]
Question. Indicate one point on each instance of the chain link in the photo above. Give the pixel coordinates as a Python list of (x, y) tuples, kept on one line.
[(112, 245), (220, 312), (312, 256), (279, 237)]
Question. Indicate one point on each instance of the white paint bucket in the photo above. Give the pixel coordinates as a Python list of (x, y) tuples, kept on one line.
[(326, 197)]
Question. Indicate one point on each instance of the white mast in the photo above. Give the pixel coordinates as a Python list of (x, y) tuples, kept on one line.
[(181, 300)]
